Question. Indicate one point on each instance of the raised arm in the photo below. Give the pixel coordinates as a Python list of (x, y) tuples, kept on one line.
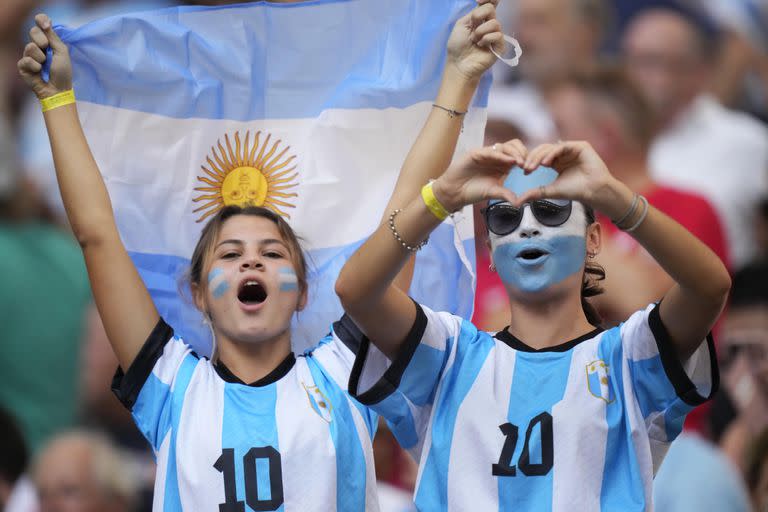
[(365, 286), (467, 59), (125, 306), (701, 282)]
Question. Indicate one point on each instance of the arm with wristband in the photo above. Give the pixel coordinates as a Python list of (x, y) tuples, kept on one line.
[(125, 306), (467, 58)]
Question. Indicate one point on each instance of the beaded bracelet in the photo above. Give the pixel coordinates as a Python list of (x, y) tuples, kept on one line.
[(397, 236)]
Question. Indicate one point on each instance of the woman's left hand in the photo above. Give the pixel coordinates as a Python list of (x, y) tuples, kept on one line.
[(582, 176), (469, 44)]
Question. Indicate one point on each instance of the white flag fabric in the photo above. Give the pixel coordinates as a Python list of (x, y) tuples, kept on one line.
[(308, 109)]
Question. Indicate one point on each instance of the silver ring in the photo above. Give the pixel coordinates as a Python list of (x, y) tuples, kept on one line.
[(495, 147), (541, 190)]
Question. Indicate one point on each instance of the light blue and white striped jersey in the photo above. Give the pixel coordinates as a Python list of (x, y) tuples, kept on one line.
[(293, 441), (497, 425)]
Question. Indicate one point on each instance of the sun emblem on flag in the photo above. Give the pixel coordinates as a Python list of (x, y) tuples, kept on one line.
[(253, 173)]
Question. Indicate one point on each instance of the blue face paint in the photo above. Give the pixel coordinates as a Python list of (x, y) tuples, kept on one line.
[(289, 282), (565, 256), (217, 282), (518, 182)]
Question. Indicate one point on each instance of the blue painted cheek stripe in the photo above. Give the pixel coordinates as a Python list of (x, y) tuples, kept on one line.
[(565, 259), (288, 280), (220, 289)]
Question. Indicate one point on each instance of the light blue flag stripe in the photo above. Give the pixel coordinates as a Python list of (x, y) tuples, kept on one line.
[(259, 62), (266, 61)]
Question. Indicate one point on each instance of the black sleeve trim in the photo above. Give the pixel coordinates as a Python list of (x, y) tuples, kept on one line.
[(349, 333), (390, 381), (673, 367), (126, 386)]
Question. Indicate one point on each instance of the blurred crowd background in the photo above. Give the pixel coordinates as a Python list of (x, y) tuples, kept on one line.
[(673, 95)]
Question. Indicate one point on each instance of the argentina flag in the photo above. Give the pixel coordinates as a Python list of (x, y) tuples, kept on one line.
[(308, 109)]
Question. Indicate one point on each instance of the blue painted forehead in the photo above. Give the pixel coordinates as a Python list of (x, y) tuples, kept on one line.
[(518, 182)]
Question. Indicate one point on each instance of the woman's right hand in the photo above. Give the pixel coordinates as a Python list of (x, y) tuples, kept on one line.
[(42, 36), (479, 175), (471, 39)]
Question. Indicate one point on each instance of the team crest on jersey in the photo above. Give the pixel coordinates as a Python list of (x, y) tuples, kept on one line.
[(318, 401), (598, 382)]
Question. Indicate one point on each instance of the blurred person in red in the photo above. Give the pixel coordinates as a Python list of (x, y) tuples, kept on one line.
[(604, 108), (81, 471), (557, 37), (699, 146)]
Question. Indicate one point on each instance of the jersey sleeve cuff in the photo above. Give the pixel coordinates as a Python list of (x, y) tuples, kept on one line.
[(126, 386), (674, 368), (390, 380), (349, 333)]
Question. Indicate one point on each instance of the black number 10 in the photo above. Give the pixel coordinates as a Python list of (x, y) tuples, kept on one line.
[(226, 465), (510, 431)]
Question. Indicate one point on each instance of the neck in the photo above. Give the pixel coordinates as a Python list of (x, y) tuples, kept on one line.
[(632, 170), (531, 321), (252, 361)]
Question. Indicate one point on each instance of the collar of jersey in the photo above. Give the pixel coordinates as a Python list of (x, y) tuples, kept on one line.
[(275, 375), (517, 344)]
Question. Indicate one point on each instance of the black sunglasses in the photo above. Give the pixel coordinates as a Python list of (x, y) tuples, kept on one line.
[(503, 218)]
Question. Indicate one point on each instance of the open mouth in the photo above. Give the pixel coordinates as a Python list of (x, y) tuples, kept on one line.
[(251, 292), (532, 254)]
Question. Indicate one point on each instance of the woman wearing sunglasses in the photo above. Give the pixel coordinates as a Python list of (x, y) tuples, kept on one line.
[(553, 412)]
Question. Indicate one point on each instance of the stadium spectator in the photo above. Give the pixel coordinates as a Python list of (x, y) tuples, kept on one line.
[(82, 471), (42, 304), (604, 108), (557, 37), (16, 493), (757, 472), (741, 80), (701, 146), (742, 406)]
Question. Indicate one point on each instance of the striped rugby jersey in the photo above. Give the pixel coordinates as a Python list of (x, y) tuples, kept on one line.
[(497, 425), (293, 441)]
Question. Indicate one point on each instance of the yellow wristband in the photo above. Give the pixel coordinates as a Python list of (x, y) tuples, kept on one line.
[(58, 100), (433, 205)]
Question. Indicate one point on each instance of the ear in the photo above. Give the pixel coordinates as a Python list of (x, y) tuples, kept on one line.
[(198, 296), (594, 238), (303, 298)]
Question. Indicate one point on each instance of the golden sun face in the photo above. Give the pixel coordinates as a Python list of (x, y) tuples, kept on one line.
[(241, 177)]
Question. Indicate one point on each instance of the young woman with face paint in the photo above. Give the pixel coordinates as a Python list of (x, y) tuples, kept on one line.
[(256, 428), (551, 413)]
